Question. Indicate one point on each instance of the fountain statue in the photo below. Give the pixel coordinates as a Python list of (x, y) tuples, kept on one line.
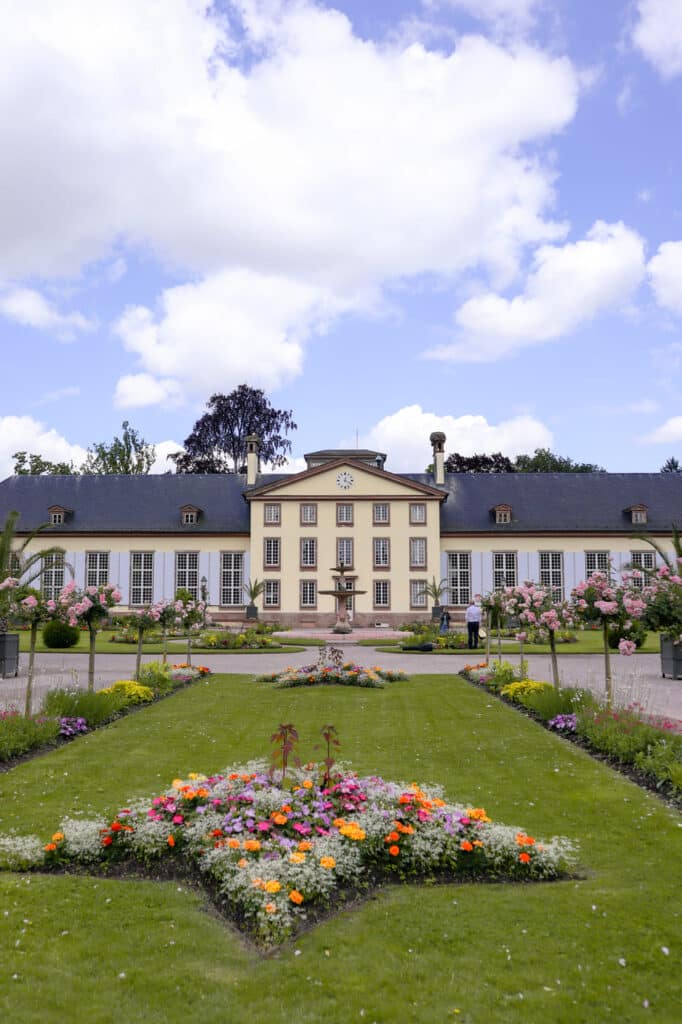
[(342, 591)]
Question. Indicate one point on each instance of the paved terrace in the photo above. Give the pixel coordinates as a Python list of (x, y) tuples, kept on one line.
[(636, 679)]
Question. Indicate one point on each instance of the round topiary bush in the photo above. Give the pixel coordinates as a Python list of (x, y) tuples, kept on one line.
[(636, 632), (60, 634)]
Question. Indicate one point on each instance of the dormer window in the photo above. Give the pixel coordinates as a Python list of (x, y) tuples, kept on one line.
[(503, 513), (638, 514), (57, 515), (189, 515)]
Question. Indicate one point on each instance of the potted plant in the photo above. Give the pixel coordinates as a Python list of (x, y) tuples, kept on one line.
[(253, 590), (435, 590), (16, 565)]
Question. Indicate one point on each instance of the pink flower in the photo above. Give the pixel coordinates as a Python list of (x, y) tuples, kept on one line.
[(30, 602), (627, 647), (521, 637), (9, 583)]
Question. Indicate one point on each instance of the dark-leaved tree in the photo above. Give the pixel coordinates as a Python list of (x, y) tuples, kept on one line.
[(217, 443), (671, 465), (496, 463), (545, 461)]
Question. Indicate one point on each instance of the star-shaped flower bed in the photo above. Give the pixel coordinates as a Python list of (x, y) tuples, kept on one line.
[(275, 856)]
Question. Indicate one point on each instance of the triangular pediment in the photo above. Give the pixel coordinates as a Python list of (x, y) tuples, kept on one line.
[(344, 478)]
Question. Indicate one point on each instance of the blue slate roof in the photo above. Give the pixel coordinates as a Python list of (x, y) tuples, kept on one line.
[(128, 504), (558, 502), (541, 502)]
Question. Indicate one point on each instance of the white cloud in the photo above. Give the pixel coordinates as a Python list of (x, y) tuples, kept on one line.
[(162, 464), (670, 431), (117, 270), (24, 434), (658, 34), (332, 162), (142, 389), (404, 436), (568, 285), (71, 391), (30, 309), (665, 272)]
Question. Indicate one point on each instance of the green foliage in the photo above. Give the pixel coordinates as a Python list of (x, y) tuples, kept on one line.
[(620, 734), (543, 460), (129, 454), (95, 708), (60, 634), (156, 676), (662, 759), (548, 704), (26, 464), (132, 692), (636, 631), (503, 673), (19, 734), (523, 688)]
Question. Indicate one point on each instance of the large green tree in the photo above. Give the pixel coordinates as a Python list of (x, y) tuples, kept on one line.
[(30, 464), (496, 463), (128, 454), (217, 443), (545, 461), (671, 465)]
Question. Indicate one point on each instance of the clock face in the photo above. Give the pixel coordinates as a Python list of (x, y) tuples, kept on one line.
[(344, 479)]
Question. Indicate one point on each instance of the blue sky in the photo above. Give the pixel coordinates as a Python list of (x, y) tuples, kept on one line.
[(394, 217)]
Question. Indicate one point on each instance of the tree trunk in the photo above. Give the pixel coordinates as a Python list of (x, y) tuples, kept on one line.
[(164, 634), (31, 659), (487, 638), (499, 643), (189, 648), (607, 667), (521, 672), (91, 659), (138, 659), (555, 663)]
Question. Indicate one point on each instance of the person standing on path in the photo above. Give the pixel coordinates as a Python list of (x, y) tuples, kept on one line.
[(445, 622), (472, 617)]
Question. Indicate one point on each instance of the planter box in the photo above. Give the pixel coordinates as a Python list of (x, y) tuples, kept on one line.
[(671, 658), (9, 654), (251, 611)]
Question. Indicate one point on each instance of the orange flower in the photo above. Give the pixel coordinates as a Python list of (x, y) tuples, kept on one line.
[(305, 846), (116, 826), (296, 897), (524, 858), (307, 784), (273, 885), (523, 840), (327, 862), (257, 883), (107, 841), (406, 830), (252, 845), (242, 862), (286, 808), (279, 819), (50, 847), (270, 908), (394, 850), (297, 858), (392, 837), (465, 845), (477, 814), (405, 799), (171, 841), (339, 822), (57, 837), (234, 844), (477, 842)]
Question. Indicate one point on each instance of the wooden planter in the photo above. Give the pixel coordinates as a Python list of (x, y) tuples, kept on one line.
[(671, 657), (9, 654)]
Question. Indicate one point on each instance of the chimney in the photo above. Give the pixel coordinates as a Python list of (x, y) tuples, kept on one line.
[(252, 446), (438, 444)]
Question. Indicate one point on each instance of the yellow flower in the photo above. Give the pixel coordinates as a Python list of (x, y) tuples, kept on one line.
[(297, 858), (57, 837), (272, 886)]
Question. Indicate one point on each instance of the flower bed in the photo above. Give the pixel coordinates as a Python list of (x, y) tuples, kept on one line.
[(275, 855), (347, 674), (647, 747)]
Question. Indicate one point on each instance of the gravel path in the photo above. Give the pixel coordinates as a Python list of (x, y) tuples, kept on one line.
[(636, 679)]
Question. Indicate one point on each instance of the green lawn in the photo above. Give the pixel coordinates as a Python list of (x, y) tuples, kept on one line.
[(588, 642), (177, 647), (588, 950)]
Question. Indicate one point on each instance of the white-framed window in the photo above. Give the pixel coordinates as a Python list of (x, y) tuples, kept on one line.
[(189, 518), (344, 514), (308, 552), (381, 549), (417, 552), (271, 594), (14, 565), (271, 552), (552, 572), (641, 560), (504, 569), (141, 577), (96, 568), (52, 576), (417, 594), (232, 578), (187, 572), (344, 551), (272, 513), (639, 515), (308, 593), (503, 514), (417, 512), (308, 514), (56, 518), (459, 577), (597, 561), (382, 593), (381, 513)]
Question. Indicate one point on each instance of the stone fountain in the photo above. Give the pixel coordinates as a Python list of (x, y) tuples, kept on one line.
[(342, 591)]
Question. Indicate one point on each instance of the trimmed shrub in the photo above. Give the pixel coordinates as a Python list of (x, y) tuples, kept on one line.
[(131, 691), (60, 634), (636, 632), (519, 691)]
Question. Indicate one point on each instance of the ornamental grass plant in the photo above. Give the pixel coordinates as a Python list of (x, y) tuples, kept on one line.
[(601, 947)]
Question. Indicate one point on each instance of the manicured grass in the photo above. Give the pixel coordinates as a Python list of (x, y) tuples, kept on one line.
[(585, 950), (178, 647), (588, 642)]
